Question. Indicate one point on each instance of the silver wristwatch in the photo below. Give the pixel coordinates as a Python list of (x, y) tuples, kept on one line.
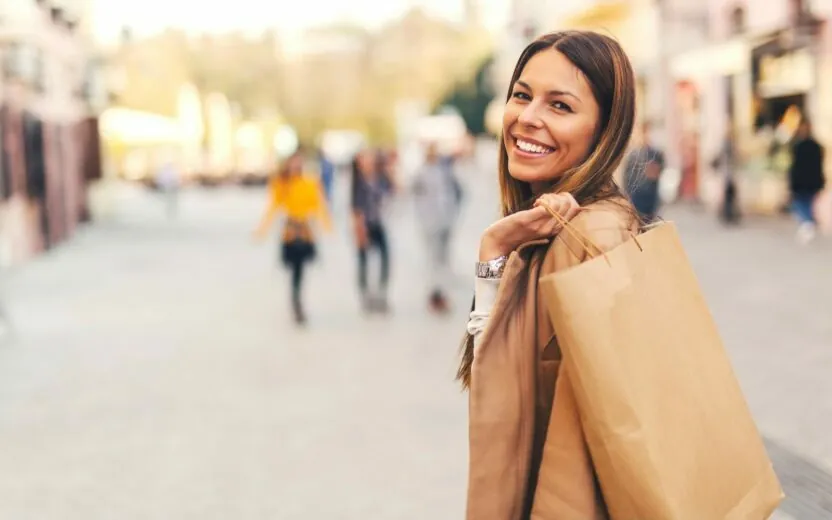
[(492, 269)]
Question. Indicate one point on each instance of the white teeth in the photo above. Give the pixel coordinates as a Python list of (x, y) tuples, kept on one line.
[(532, 148)]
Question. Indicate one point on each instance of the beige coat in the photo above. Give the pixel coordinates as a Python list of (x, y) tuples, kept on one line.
[(528, 456)]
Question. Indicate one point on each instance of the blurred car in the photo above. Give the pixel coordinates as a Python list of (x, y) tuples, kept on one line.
[(252, 178)]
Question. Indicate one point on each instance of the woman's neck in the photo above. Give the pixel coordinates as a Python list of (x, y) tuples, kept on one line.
[(539, 188)]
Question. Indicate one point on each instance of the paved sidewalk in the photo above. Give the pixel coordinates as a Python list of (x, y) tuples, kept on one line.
[(156, 373)]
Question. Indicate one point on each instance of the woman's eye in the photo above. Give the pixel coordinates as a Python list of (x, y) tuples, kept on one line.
[(521, 95), (560, 105)]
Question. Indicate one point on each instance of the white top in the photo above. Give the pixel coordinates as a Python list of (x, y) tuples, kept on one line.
[(485, 294)]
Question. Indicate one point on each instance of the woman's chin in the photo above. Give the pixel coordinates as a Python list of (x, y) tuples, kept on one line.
[(534, 176)]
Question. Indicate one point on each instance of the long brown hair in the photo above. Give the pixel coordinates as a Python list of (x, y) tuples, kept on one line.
[(610, 76)]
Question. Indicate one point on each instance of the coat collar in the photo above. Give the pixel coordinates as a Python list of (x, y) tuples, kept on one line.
[(532, 243)]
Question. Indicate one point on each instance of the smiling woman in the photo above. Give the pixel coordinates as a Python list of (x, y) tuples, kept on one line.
[(567, 122)]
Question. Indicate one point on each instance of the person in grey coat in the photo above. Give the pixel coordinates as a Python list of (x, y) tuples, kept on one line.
[(438, 196)]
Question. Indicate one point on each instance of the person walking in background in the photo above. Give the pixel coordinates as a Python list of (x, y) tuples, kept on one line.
[(168, 181), (388, 164), (371, 186), (726, 163), (327, 174), (437, 196), (642, 171), (806, 179), (300, 199)]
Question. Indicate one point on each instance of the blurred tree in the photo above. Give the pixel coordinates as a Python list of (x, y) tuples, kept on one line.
[(340, 77), (247, 70), (471, 98), (347, 77), (152, 71)]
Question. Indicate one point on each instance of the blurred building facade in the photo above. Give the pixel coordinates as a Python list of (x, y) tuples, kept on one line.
[(50, 95), (703, 68), (764, 68)]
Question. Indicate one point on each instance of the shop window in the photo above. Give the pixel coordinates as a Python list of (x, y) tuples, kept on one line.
[(25, 62)]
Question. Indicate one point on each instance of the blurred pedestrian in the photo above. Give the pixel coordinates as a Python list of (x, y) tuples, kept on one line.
[(567, 120), (806, 180), (642, 171), (725, 163), (437, 195), (327, 174), (299, 198), (371, 187), (168, 183), (388, 164)]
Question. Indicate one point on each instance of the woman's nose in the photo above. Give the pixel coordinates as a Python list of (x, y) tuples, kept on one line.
[(531, 115)]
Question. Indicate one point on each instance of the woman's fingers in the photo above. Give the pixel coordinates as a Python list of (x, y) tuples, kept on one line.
[(563, 204), (572, 212), (554, 202)]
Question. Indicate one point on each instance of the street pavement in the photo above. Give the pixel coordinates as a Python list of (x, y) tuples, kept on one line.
[(154, 371)]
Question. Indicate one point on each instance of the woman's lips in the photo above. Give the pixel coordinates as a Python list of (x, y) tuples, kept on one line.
[(531, 149)]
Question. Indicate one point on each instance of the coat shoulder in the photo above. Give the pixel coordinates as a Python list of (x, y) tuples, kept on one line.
[(606, 218), (600, 226)]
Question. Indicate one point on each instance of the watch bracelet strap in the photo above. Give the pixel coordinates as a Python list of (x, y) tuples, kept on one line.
[(491, 269)]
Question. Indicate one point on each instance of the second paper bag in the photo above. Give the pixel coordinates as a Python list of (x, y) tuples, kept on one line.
[(670, 433)]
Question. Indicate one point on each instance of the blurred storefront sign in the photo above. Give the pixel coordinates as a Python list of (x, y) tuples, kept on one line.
[(721, 59), (790, 73)]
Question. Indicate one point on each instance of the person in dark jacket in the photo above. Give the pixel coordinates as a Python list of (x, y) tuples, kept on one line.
[(372, 186), (726, 163), (642, 171), (806, 179)]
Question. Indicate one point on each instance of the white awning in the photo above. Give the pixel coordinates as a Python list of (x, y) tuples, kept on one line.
[(137, 127), (721, 59)]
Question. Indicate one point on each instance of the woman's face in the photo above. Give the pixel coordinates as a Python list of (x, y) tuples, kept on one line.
[(367, 162), (549, 121), (294, 164)]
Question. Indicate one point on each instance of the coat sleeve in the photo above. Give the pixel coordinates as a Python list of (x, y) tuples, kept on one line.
[(598, 229)]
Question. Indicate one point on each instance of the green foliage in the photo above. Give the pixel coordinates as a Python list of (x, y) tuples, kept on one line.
[(471, 98)]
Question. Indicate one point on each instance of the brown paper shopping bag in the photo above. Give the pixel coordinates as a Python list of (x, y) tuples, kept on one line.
[(668, 428)]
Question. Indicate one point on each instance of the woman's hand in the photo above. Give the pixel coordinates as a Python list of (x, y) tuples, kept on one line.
[(505, 235)]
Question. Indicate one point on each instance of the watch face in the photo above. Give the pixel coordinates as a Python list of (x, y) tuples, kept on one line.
[(492, 268)]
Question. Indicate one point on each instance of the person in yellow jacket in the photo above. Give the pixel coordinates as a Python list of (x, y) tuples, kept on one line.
[(300, 200)]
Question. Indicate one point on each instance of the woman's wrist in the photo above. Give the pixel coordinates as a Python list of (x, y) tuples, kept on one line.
[(494, 244)]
